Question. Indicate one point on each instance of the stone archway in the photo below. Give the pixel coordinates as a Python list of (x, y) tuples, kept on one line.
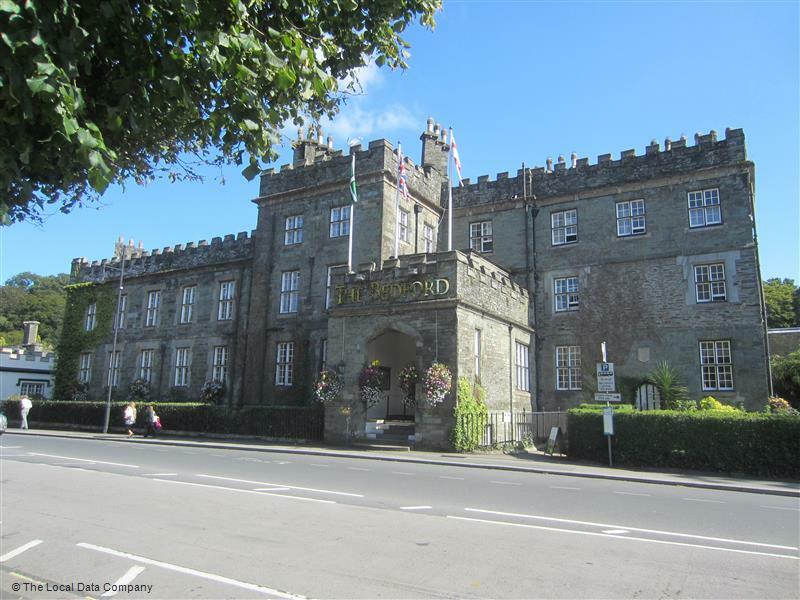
[(394, 350)]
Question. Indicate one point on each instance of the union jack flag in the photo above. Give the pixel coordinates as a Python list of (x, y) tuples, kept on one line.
[(402, 181)]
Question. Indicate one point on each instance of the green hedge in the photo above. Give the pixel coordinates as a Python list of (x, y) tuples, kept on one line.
[(752, 443), (285, 422)]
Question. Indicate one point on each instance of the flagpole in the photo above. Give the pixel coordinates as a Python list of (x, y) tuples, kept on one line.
[(352, 210), (397, 204), (450, 196)]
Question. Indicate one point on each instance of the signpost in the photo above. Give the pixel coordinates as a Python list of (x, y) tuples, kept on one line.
[(608, 429), (605, 393), (553, 440), (605, 377), (608, 397)]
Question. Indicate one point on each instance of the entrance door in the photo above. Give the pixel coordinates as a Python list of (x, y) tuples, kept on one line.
[(394, 351)]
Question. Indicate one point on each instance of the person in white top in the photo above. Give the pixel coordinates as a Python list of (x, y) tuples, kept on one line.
[(130, 417), (25, 406)]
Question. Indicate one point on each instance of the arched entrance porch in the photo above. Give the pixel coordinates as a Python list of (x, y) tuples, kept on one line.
[(394, 350)]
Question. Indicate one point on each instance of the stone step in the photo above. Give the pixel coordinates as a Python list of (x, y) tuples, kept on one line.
[(380, 445)]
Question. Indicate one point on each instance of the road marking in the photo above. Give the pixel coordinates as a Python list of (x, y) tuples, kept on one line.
[(230, 489), (610, 526), (271, 489), (124, 580), (219, 455), (24, 578), (10, 447), (780, 507), (617, 537), (403, 473), (356, 469), (564, 487), (703, 500), (414, 507), (448, 477), (632, 494), (294, 487), (20, 550), (99, 462), (318, 465), (159, 474), (505, 483), (186, 570), (615, 531)]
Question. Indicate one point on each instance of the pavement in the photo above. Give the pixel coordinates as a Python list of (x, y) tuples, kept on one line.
[(532, 461)]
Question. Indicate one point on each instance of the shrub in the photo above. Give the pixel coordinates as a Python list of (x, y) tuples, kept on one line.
[(735, 441), (139, 391), (213, 391), (780, 406), (786, 377), (673, 393), (711, 403), (471, 416)]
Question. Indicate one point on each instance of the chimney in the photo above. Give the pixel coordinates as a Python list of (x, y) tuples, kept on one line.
[(434, 151), (30, 330)]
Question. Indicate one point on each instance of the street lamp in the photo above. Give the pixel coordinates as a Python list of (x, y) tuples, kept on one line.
[(122, 251)]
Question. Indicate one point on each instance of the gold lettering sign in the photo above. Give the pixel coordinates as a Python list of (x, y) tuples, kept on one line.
[(376, 291)]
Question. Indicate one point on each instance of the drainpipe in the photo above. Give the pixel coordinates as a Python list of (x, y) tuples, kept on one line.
[(759, 283), (511, 365)]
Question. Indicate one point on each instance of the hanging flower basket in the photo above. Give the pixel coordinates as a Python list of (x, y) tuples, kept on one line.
[(436, 383), (409, 377), (327, 387), (369, 383)]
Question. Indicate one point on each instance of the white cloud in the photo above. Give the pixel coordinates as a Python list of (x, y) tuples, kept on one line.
[(354, 121), (364, 77)]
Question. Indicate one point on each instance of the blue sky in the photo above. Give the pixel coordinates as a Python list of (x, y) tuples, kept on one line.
[(518, 82)]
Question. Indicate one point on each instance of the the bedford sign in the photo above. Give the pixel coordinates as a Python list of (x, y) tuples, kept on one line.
[(403, 291)]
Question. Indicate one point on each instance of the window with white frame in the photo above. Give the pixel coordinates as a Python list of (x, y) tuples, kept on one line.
[(403, 225), (564, 224), (290, 291), (427, 237), (146, 365), (283, 364), (568, 367), (709, 283), (340, 221), (32, 388), (85, 367), (716, 365), (293, 230), (119, 322), (182, 358), (328, 287), (153, 302), (187, 303), (523, 368), (90, 320), (476, 350), (630, 218), (113, 368), (323, 354), (565, 293), (704, 208), (227, 289), (219, 369), (480, 236)]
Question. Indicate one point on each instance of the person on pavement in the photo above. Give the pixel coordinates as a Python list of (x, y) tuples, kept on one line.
[(129, 417), (25, 406), (150, 418)]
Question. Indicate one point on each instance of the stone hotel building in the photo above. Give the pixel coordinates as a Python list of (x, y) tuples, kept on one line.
[(654, 254)]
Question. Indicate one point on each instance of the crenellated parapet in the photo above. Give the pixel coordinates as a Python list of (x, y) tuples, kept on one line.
[(578, 175), (318, 166), (182, 256)]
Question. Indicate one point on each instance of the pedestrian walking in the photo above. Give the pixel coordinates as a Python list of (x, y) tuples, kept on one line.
[(150, 420), (25, 405), (130, 417)]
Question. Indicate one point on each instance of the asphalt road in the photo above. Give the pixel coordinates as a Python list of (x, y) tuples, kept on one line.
[(88, 518)]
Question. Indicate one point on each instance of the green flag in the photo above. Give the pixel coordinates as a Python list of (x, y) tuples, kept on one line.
[(353, 191)]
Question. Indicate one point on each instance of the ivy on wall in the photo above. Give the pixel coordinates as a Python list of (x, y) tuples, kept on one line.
[(74, 337)]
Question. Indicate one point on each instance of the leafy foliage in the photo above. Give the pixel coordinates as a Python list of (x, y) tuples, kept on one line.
[(739, 442), (436, 383), (786, 377), (30, 297), (782, 298), (139, 391), (94, 93), (74, 338), (328, 386), (711, 403), (470, 415), (673, 392)]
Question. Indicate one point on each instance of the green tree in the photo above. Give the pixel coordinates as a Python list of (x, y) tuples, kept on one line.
[(782, 298), (96, 92), (31, 297), (786, 377)]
